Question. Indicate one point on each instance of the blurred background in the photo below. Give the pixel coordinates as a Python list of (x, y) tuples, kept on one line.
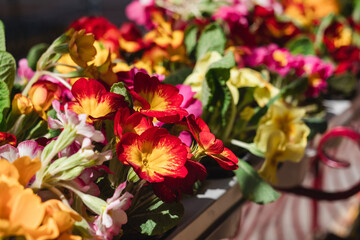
[(31, 22)]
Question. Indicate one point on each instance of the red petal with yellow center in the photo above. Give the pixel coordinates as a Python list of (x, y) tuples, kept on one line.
[(7, 138), (196, 126), (155, 99), (210, 144), (93, 99), (130, 121), (154, 154), (226, 159)]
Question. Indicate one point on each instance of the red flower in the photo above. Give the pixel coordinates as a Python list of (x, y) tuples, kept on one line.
[(209, 145), (93, 100), (130, 121), (154, 155), (155, 99), (7, 138), (171, 189)]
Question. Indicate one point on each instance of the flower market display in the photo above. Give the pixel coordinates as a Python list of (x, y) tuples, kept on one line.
[(107, 128)]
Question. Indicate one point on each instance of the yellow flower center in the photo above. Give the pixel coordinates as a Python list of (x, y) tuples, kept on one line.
[(280, 57)]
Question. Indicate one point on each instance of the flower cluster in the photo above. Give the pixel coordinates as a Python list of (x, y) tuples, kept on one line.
[(109, 123)]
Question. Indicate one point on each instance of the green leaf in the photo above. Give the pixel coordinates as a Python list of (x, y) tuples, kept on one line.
[(7, 69), (4, 100), (190, 38), (119, 88), (316, 125), (301, 45), (215, 90), (153, 217), (2, 37), (179, 76), (35, 53), (211, 39), (344, 83), (253, 187), (251, 147), (53, 132)]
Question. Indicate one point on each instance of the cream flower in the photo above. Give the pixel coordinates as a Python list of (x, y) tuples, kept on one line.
[(282, 135)]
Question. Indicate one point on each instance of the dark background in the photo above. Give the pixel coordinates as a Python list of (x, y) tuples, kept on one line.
[(29, 22)]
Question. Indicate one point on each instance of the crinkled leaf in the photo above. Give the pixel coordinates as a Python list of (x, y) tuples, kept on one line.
[(4, 101), (35, 53), (119, 88), (179, 76), (211, 39), (301, 45), (253, 187), (155, 217), (7, 69), (2, 37), (215, 90), (190, 39)]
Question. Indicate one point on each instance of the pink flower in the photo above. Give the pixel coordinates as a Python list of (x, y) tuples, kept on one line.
[(26, 148), (189, 103), (75, 121), (317, 72), (279, 60), (24, 71), (139, 12), (108, 224), (236, 13)]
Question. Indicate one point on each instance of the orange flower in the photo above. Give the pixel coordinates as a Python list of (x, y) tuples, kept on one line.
[(81, 47), (22, 213), (21, 104), (42, 93)]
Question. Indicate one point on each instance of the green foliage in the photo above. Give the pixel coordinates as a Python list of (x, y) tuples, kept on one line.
[(211, 39), (35, 54), (53, 132), (301, 45), (179, 76), (7, 69), (215, 91), (344, 83), (2, 37), (4, 102), (119, 88), (253, 187), (316, 125), (325, 23), (152, 217), (190, 38)]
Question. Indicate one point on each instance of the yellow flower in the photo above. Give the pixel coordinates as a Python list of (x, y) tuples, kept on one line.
[(195, 79), (81, 48), (247, 77), (21, 104), (282, 135)]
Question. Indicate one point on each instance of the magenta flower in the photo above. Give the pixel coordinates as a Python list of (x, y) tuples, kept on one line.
[(236, 13), (139, 12), (24, 71), (26, 148), (278, 60), (189, 103)]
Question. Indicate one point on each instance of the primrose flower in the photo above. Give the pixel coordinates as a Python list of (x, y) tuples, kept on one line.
[(282, 135), (93, 100), (209, 145), (236, 13), (247, 77), (196, 78), (279, 60), (190, 104), (154, 154), (70, 119), (41, 94), (127, 120), (81, 47), (108, 224), (139, 12), (131, 37), (155, 99), (7, 138), (317, 72), (21, 104), (171, 189), (24, 71)]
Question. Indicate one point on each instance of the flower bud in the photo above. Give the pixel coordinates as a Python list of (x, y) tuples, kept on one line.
[(21, 104)]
